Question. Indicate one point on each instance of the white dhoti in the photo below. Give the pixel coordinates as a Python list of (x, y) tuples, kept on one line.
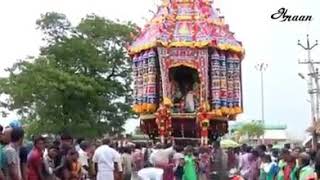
[(151, 173), (105, 175)]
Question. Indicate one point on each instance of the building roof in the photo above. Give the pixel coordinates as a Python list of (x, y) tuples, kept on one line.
[(275, 127), (186, 23), (275, 134), (267, 126)]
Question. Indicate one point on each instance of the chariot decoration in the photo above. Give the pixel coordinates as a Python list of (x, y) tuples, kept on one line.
[(187, 72)]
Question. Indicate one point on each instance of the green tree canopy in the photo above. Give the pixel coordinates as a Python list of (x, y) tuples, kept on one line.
[(80, 82), (251, 129)]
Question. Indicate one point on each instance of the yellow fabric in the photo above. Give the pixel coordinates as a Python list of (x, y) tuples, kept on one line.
[(181, 44), (217, 112), (136, 108), (232, 111), (200, 44), (225, 110), (144, 108), (238, 110), (151, 107), (167, 102), (206, 106)]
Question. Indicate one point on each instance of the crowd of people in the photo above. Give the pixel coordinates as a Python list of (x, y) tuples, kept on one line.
[(68, 159), (267, 163)]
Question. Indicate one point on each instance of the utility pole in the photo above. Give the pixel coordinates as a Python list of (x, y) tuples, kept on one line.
[(262, 67), (313, 85)]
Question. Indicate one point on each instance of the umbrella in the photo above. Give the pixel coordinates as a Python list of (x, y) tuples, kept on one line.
[(228, 143)]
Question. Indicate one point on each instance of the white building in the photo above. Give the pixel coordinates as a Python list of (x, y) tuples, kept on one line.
[(273, 133)]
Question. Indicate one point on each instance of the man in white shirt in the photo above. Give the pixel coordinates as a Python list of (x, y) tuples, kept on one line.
[(161, 156), (84, 148), (106, 160)]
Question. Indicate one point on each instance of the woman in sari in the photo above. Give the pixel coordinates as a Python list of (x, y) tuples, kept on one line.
[(189, 165), (290, 167), (305, 171)]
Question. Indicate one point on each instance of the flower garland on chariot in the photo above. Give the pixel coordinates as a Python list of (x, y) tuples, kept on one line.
[(203, 119), (163, 118)]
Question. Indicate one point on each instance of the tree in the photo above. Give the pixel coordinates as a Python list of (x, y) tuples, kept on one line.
[(79, 83), (251, 129)]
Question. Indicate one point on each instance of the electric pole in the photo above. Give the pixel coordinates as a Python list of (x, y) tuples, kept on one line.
[(313, 85), (262, 67)]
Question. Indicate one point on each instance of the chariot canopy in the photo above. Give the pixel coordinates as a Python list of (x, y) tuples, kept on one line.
[(188, 62)]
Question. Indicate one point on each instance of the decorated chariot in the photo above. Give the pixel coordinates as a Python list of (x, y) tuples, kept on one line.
[(187, 72)]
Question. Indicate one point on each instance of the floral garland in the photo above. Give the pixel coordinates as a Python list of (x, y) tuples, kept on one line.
[(163, 121), (203, 121)]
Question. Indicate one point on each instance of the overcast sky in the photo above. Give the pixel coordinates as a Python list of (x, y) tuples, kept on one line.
[(266, 40)]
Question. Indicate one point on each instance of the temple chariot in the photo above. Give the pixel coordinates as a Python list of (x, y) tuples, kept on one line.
[(187, 73)]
